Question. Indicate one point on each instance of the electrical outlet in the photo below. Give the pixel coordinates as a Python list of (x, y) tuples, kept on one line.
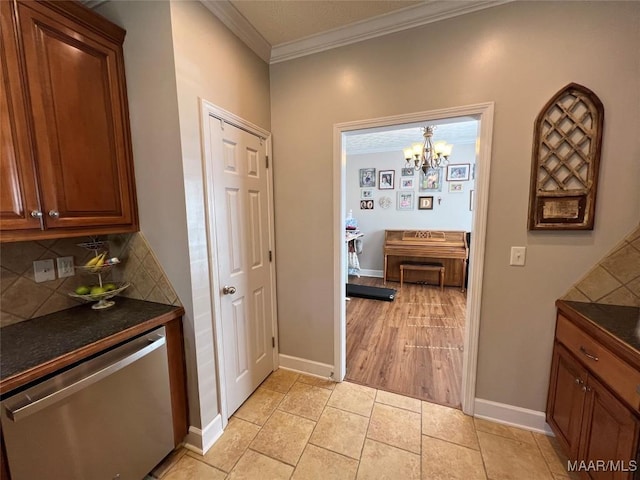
[(65, 267), (43, 270), (518, 256)]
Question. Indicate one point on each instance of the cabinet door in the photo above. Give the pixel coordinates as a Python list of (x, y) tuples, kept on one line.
[(566, 399), (18, 193), (75, 80), (609, 433)]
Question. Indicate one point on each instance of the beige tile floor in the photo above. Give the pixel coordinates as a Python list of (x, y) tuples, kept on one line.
[(304, 428)]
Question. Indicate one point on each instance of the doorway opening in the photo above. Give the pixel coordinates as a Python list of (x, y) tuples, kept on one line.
[(413, 345), (463, 310)]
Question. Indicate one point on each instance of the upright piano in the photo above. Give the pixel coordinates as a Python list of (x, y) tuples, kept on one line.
[(447, 247)]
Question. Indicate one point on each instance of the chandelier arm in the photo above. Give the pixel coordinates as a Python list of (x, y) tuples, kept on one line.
[(428, 157)]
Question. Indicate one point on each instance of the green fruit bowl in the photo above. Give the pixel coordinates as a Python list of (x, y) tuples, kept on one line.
[(103, 298)]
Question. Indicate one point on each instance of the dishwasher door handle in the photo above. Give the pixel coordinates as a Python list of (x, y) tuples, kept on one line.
[(35, 405)]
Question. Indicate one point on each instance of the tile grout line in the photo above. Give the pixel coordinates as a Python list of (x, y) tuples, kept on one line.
[(366, 433), (277, 407), (484, 464)]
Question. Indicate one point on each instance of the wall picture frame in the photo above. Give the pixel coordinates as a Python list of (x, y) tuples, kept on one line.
[(367, 204), (565, 161), (405, 200), (366, 193), (431, 181), (367, 177), (471, 200), (425, 203), (406, 184), (458, 172), (385, 202), (455, 187), (408, 172), (386, 179)]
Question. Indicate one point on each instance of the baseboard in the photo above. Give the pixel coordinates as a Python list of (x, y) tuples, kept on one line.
[(302, 365), (200, 441), (513, 416), (365, 272)]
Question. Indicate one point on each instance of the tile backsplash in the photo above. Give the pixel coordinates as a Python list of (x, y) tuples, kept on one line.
[(21, 298), (615, 280)]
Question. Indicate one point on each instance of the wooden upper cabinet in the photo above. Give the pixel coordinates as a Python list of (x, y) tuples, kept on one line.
[(73, 78), (18, 192)]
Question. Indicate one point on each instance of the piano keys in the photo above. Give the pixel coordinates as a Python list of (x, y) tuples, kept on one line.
[(447, 247)]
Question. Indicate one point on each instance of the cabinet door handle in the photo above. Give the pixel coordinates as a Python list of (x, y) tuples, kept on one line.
[(579, 381), (37, 214), (54, 213), (588, 355), (586, 388)]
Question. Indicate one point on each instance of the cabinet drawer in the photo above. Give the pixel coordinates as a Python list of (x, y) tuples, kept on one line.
[(616, 373)]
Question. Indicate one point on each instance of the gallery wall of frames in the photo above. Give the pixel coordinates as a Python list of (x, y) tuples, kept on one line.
[(384, 195)]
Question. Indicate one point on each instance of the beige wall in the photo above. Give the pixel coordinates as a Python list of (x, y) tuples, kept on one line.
[(517, 55), (176, 52), (211, 64)]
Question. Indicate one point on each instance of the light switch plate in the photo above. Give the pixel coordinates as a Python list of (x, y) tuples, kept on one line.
[(518, 256), (65, 267), (43, 270)]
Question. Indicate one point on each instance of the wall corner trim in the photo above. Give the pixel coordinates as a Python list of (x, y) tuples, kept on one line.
[(511, 415), (200, 441)]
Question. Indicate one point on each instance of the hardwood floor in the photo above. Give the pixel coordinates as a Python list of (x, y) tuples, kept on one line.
[(412, 346)]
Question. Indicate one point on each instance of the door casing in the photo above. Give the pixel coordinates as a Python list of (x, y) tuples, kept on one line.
[(483, 112)]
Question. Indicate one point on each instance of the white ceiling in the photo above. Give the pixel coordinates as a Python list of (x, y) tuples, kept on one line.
[(282, 21), (396, 138)]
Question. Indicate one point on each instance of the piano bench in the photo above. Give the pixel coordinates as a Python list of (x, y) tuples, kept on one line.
[(430, 267)]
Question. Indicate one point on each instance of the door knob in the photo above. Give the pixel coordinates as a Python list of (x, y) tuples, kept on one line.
[(228, 290), (36, 214), (54, 213)]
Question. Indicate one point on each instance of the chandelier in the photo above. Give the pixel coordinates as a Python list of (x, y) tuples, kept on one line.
[(428, 155)]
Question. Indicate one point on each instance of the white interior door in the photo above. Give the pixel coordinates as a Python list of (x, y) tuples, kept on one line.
[(242, 231)]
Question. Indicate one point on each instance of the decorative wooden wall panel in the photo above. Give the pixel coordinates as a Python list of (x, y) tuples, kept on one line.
[(566, 159)]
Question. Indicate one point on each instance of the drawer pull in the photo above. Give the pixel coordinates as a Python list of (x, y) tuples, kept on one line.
[(588, 355)]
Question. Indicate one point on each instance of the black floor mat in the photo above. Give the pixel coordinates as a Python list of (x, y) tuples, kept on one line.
[(373, 293)]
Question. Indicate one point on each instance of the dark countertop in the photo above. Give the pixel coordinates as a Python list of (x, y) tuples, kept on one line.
[(61, 336), (621, 322)]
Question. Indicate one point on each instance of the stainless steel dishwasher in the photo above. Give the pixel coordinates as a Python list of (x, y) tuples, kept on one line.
[(107, 418)]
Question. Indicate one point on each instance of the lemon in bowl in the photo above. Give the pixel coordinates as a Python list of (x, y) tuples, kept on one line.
[(82, 290), (97, 290)]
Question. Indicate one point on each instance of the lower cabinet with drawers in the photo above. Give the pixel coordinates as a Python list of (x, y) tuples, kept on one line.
[(593, 403)]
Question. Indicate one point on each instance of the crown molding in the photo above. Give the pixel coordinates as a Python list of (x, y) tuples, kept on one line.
[(92, 3), (399, 20), (240, 26)]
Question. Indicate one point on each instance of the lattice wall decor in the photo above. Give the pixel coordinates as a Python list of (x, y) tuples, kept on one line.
[(566, 158)]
